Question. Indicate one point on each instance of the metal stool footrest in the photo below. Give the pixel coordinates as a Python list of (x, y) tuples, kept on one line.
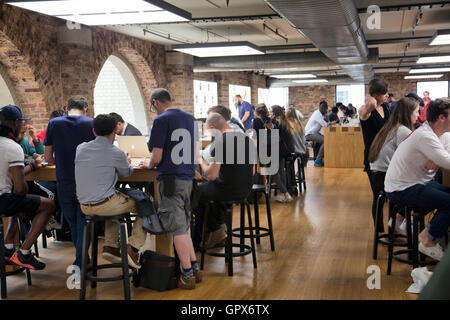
[(410, 261), (247, 250), (266, 232)]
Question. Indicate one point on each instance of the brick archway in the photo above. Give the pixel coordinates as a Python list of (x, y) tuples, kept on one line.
[(21, 82)]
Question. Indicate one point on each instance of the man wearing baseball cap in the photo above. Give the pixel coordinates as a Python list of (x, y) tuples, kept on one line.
[(14, 199)]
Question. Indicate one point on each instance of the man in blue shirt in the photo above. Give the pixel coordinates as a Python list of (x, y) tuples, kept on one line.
[(173, 145), (245, 109), (62, 138)]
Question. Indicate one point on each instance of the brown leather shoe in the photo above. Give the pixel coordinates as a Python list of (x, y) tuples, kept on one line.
[(186, 284), (133, 258), (198, 276), (112, 254)]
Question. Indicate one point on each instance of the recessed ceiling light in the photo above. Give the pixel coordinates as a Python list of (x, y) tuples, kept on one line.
[(433, 59), (219, 49), (106, 12), (425, 76), (310, 81), (429, 70), (293, 76), (441, 38)]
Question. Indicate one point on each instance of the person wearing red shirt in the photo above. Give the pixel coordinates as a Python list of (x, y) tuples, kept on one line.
[(41, 134)]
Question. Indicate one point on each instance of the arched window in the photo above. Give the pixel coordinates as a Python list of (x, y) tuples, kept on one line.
[(5, 95), (117, 90)]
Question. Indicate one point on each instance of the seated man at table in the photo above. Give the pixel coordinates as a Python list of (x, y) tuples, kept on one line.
[(230, 177), (13, 190), (124, 128), (98, 164), (411, 171)]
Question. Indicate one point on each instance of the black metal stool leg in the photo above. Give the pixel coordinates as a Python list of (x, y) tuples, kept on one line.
[(84, 262), (408, 231), (44, 240), (391, 241), (376, 230), (22, 240), (125, 269), (203, 249), (94, 248), (269, 221), (252, 238), (36, 249), (3, 289), (229, 243), (256, 208), (415, 238), (242, 231)]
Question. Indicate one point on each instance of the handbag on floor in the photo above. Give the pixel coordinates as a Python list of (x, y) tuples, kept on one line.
[(157, 272)]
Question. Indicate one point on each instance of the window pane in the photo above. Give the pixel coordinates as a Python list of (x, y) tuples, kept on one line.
[(351, 93), (245, 93), (437, 89), (272, 96), (205, 94)]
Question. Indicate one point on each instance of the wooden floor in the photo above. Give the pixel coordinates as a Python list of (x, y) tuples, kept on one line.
[(323, 248)]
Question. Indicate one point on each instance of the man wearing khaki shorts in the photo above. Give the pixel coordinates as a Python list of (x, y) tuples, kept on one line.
[(97, 166)]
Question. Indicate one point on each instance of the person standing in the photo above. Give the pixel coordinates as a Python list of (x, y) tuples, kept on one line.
[(175, 178), (246, 114), (62, 138), (426, 97)]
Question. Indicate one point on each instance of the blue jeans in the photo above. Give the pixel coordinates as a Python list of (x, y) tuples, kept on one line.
[(432, 195), (72, 213)]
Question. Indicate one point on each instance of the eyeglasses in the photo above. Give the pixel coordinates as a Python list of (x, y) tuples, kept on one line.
[(152, 106)]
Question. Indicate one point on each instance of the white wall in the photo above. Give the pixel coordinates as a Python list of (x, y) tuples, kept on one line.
[(5, 96), (117, 91)]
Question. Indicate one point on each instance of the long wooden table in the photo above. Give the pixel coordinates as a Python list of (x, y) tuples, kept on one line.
[(163, 244)]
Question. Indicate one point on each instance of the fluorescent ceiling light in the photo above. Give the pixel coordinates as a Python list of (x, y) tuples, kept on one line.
[(311, 81), (105, 12), (294, 76), (433, 59), (441, 38), (425, 76), (429, 70), (219, 49)]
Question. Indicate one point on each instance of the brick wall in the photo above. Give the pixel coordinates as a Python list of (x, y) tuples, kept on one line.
[(44, 73), (307, 98)]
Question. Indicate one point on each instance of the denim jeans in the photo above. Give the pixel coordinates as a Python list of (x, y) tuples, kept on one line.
[(432, 195), (73, 215)]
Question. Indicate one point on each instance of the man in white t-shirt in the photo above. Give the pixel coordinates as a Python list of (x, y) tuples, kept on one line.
[(14, 199), (412, 169), (313, 127)]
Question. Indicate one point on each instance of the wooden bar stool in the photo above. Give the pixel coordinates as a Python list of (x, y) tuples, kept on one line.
[(229, 245), (89, 272)]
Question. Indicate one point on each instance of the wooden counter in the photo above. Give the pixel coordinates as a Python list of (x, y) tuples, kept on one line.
[(446, 177), (344, 147), (164, 244)]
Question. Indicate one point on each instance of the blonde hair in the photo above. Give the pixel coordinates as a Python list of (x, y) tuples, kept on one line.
[(295, 126)]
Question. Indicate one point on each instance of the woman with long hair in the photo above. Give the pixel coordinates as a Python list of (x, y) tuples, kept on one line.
[(286, 148), (298, 134), (398, 126)]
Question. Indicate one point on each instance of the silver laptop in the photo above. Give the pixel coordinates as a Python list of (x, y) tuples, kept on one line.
[(136, 147)]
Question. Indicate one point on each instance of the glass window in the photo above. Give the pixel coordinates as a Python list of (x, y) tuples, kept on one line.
[(205, 96), (351, 93), (437, 89), (274, 96), (245, 93)]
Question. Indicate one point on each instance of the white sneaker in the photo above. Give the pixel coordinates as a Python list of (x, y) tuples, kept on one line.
[(288, 198), (279, 198), (400, 228), (434, 252), (52, 224)]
